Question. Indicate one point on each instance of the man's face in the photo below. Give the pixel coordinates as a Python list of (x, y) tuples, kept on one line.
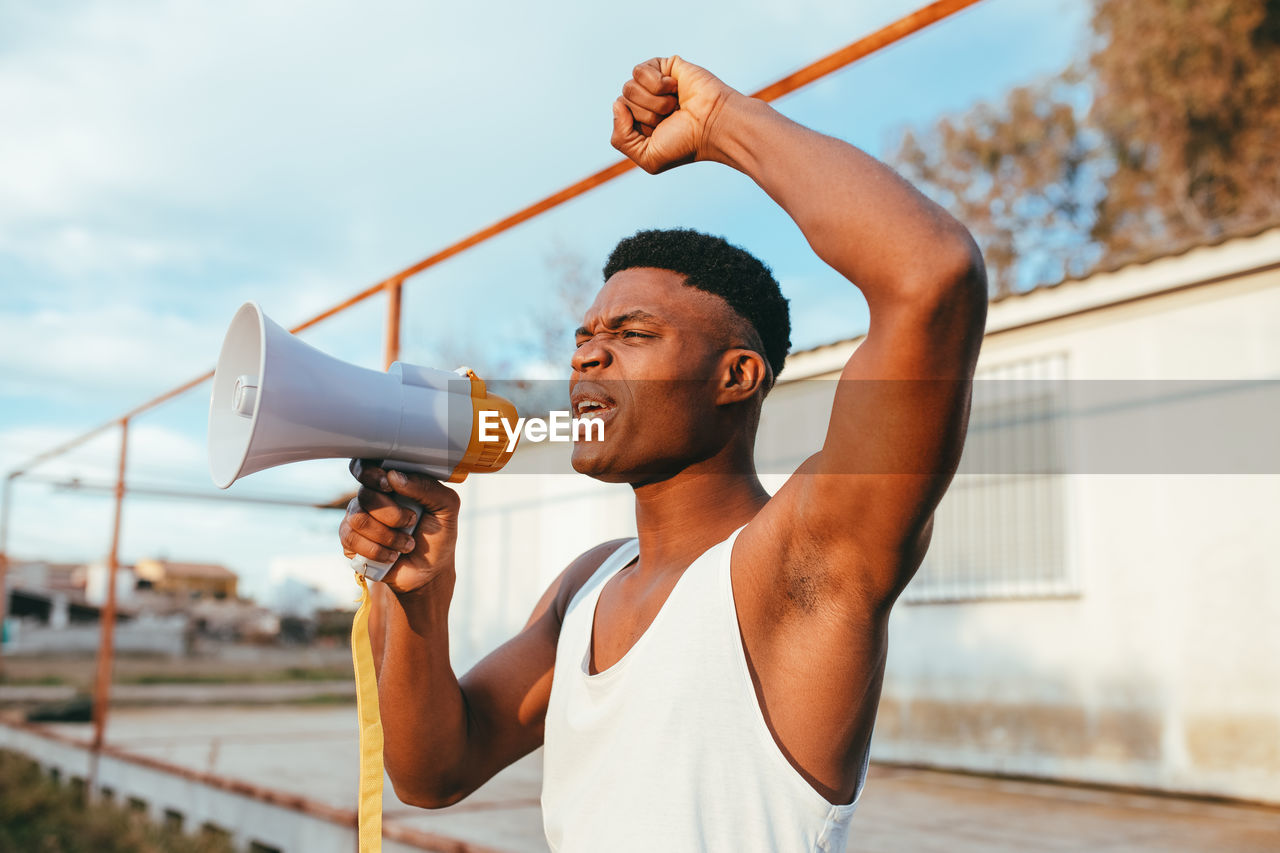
[(649, 350)]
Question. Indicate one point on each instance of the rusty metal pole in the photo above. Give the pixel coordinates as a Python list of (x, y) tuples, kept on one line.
[(102, 685), (5, 500), (378, 593), (391, 349)]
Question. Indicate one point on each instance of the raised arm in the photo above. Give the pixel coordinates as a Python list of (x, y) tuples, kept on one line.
[(443, 736), (898, 421)]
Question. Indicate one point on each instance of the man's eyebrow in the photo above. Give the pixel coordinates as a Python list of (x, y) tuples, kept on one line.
[(637, 316)]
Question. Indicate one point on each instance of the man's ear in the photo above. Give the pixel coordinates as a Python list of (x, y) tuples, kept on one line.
[(743, 374)]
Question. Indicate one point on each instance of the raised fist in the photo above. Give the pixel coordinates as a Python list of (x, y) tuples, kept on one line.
[(666, 115)]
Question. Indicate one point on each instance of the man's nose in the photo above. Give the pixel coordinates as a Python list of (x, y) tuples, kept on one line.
[(592, 354)]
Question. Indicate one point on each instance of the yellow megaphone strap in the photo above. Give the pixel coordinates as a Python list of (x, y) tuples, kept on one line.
[(369, 809)]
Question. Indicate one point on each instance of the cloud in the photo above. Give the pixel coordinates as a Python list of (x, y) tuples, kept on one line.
[(74, 250), (338, 115), (120, 351), (152, 449)]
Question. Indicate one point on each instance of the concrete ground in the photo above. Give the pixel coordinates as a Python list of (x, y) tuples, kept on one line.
[(312, 751)]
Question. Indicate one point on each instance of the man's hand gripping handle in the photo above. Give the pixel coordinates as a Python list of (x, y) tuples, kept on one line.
[(372, 569), (400, 528)]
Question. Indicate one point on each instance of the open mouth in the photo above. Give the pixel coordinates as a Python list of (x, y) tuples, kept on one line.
[(590, 402), (589, 408)]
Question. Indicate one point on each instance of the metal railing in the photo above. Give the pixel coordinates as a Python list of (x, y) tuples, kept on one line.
[(393, 287)]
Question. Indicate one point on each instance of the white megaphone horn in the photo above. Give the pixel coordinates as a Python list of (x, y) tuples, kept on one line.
[(277, 400)]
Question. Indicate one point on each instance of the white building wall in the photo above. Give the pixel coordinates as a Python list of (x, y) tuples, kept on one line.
[(95, 591), (160, 635), (1160, 666)]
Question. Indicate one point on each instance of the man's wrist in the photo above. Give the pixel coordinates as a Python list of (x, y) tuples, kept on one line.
[(729, 136), (432, 599)]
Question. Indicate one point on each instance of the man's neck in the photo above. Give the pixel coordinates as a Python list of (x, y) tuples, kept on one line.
[(679, 518)]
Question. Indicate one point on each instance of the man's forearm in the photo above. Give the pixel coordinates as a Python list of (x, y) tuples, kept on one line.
[(858, 215), (424, 711)]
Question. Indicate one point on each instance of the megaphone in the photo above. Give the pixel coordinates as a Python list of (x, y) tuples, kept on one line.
[(277, 400)]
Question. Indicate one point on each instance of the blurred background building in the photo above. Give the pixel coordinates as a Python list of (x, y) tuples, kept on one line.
[(186, 580)]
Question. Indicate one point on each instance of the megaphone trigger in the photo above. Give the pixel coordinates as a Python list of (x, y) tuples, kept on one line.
[(374, 571)]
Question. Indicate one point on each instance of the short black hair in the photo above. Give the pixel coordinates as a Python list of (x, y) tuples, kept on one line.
[(714, 265)]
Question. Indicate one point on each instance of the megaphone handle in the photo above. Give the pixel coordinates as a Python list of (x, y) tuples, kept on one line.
[(375, 571)]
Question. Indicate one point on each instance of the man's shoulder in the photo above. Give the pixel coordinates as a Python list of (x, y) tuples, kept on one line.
[(581, 570)]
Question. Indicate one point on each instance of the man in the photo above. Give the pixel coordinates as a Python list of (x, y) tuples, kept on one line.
[(718, 691)]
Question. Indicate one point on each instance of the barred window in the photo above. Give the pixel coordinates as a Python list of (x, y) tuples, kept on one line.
[(1000, 531)]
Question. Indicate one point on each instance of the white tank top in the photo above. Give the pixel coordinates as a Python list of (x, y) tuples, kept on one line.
[(667, 750)]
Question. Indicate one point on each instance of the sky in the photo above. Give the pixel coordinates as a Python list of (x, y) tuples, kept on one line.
[(162, 162)]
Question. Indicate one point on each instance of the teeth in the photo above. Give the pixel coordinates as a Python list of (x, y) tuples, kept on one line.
[(584, 405)]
